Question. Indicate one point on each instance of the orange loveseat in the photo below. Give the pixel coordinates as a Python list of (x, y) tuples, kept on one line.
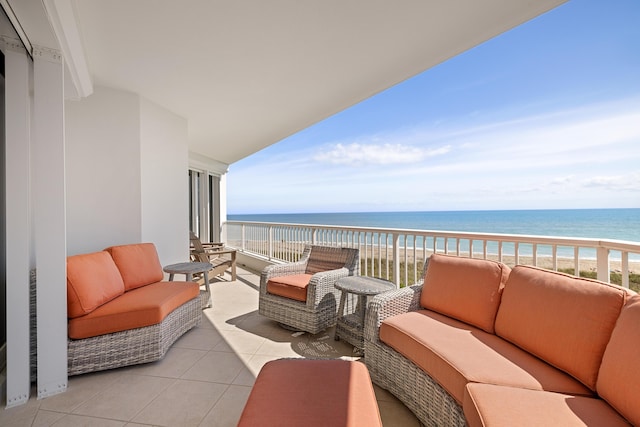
[(120, 310), (483, 345)]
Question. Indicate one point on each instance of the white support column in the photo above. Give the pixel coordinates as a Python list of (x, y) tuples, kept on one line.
[(17, 69), (222, 205), (48, 170)]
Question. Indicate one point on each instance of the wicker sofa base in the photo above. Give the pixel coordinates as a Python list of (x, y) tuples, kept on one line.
[(298, 316), (134, 346), (418, 391)]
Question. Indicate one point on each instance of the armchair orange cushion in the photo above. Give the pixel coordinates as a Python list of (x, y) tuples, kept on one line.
[(138, 264), (293, 287), (92, 280), (464, 288)]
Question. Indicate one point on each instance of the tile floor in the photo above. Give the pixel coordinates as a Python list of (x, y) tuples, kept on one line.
[(204, 379)]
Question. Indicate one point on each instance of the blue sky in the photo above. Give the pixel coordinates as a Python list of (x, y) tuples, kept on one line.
[(545, 116)]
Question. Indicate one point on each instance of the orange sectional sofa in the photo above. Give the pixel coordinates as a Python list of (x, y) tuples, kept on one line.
[(121, 311), (480, 344)]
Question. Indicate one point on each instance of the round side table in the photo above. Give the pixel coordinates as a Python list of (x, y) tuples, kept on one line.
[(350, 326), (189, 269)]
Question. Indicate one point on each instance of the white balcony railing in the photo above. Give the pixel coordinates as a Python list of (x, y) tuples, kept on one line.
[(399, 254)]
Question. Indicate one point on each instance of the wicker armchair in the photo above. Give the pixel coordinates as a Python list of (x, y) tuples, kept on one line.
[(321, 266)]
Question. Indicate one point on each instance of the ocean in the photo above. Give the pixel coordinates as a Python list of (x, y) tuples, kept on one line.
[(614, 224)]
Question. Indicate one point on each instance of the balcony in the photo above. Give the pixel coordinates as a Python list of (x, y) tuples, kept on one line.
[(205, 378), (207, 375)]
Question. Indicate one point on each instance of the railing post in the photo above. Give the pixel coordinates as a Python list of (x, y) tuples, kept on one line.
[(625, 268), (602, 264), (243, 237), (396, 259), (270, 242), (314, 236)]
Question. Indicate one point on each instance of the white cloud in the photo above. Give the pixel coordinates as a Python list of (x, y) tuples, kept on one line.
[(629, 182), (563, 180), (358, 154)]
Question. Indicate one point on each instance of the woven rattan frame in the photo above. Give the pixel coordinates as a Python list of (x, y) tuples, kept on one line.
[(392, 371), (320, 310), (134, 346)]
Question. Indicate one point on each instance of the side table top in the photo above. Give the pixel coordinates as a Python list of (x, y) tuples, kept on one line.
[(187, 268), (362, 285)]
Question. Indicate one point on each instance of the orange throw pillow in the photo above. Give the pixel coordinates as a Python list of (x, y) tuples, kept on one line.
[(466, 289), (138, 264), (92, 280)]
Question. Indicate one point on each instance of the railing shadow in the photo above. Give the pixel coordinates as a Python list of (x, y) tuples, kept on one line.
[(318, 346)]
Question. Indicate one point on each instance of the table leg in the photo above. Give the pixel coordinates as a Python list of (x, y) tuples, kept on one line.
[(233, 266), (343, 299), (206, 286), (362, 309), (189, 277), (171, 277)]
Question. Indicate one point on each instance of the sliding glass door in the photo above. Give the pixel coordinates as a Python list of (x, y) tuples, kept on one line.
[(204, 196)]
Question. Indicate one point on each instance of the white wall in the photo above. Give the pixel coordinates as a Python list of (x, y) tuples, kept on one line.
[(103, 171), (164, 182), (127, 163)]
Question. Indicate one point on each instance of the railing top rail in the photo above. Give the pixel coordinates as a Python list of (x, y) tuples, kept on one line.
[(620, 245)]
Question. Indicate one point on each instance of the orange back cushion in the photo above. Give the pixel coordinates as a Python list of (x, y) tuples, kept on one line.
[(619, 378), (562, 319), (464, 288), (138, 264), (92, 280)]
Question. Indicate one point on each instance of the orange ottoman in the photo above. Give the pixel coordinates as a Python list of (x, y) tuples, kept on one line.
[(303, 392)]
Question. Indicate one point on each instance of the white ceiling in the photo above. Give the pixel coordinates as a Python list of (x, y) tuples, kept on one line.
[(247, 74)]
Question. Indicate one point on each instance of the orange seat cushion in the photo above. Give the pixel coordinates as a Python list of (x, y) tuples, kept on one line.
[(304, 392), (562, 319), (619, 377), (293, 287), (92, 280), (454, 353), (138, 264), (141, 307), (464, 288), (498, 406)]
